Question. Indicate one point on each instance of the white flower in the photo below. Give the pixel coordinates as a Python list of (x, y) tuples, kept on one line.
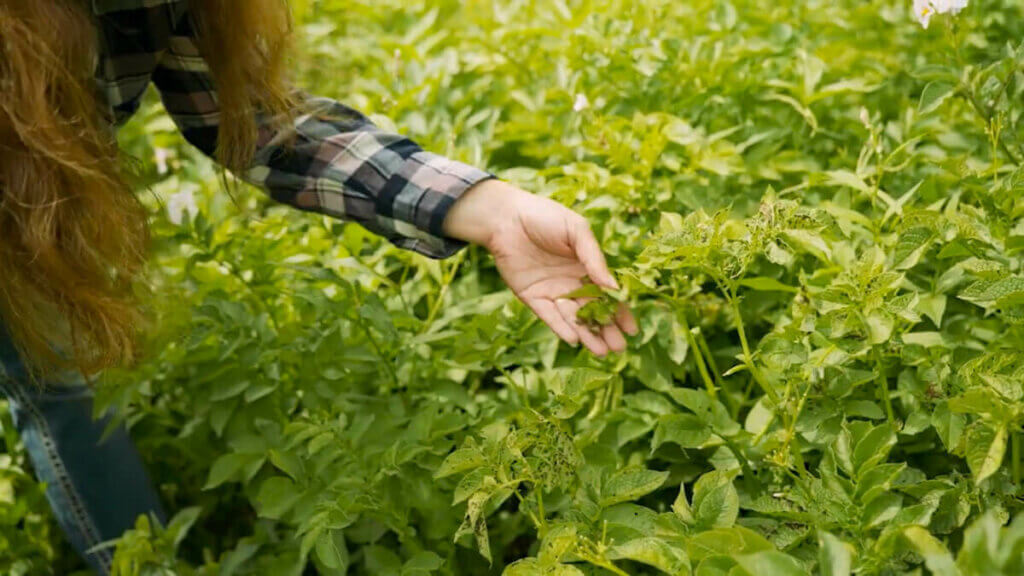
[(581, 103), (179, 204), (949, 6), (923, 9)]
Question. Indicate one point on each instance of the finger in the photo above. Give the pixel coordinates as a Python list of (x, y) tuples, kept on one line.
[(590, 255), (625, 319), (592, 341), (550, 315), (613, 338)]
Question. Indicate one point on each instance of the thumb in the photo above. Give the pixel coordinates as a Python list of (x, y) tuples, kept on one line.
[(590, 255)]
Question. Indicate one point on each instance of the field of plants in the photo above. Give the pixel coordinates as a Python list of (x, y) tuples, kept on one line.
[(814, 207)]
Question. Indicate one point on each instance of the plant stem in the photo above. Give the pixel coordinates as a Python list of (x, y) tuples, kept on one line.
[(1015, 454), (540, 505), (524, 397), (715, 372), (698, 358), (883, 388), (384, 359), (446, 282), (748, 358), (987, 117)]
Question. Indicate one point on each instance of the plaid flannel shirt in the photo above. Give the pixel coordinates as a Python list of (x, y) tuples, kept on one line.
[(336, 162)]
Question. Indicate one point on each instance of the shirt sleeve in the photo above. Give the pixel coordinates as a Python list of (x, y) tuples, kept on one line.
[(332, 161)]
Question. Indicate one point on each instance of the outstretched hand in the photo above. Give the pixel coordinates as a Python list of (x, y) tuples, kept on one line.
[(543, 251)]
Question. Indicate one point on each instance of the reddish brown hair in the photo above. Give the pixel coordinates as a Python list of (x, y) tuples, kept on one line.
[(72, 233)]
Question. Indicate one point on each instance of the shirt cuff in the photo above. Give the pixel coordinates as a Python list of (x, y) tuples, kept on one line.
[(417, 198)]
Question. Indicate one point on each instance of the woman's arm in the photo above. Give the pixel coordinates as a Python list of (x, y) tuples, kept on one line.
[(332, 161), (336, 162)]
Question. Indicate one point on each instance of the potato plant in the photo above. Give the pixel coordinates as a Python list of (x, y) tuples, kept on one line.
[(815, 208)]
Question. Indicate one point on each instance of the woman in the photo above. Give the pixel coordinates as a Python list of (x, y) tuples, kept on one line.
[(73, 235)]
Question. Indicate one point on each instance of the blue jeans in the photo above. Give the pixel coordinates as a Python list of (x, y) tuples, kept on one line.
[(96, 488)]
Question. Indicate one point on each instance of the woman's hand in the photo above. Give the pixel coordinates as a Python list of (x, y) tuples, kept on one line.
[(543, 250)]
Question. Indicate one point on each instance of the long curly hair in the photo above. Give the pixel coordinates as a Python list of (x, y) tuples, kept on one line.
[(73, 236)]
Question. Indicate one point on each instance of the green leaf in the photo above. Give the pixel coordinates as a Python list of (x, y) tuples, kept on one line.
[(226, 468), (630, 484), (933, 95), (276, 497), (770, 563), (985, 449), (879, 326), (765, 284), (936, 557), (182, 522), (882, 509), (848, 179), (872, 447), (224, 391), (726, 541), (424, 562), (531, 567), (463, 459), (835, 557), (653, 552), (716, 503), (911, 246), (331, 550), (949, 425), (682, 508), (380, 560), (686, 430), (933, 306)]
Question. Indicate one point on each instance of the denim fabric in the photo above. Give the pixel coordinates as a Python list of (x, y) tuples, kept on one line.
[(96, 488)]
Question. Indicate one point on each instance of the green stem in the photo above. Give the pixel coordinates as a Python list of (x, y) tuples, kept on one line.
[(748, 472), (540, 507), (748, 357), (380, 352), (883, 388), (791, 433), (715, 372), (987, 117), (260, 301), (522, 501), (524, 397), (698, 358), (446, 282), (1015, 454)]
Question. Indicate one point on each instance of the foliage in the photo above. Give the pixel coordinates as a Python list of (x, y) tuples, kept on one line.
[(28, 540), (815, 209)]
